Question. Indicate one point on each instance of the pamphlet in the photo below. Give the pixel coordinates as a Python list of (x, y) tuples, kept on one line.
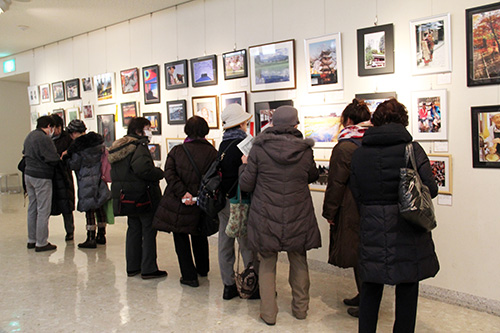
[(246, 145)]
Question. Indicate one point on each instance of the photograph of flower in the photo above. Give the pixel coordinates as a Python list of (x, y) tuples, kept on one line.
[(324, 63), (429, 116), (130, 80), (322, 123), (151, 76), (441, 169), (235, 64), (323, 166), (176, 74), (376, 50)]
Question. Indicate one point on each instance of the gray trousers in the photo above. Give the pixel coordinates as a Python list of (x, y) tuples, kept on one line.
[(227, 250), (40, 203), (140, 247)]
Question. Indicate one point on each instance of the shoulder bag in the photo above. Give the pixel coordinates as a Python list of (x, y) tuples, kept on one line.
[(238, 216)]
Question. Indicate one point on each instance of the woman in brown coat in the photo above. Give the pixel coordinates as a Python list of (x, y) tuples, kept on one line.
[(339, 207), (280, 167)]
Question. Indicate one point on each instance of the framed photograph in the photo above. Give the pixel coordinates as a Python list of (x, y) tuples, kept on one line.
[(105, 88), (272, 66), (176, 112), (58, 91), (441, 169), (376, 50), (33, 95), (151, 76), (130, 80), (155, 119), (73, 89), (45, 92), (155, 150), (87, 84), (176, 74), (324, 63), (212, 141), (235, 64), (485, 136), (264, 113), (430, 39), (172, 142), (88, 111), (428, 119), (73, 113), (322, 123), (204, 71), (374, 99), (323, 166), (483, 61), (207, 107), (239, 97), (129, 111), (60, 113), (106, 127)]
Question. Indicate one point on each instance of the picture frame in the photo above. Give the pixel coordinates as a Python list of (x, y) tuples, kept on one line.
[(235, 64), (485, 124), (442, 171), (33, 95), (129, 79), (87, 84), (129, 111), (106, 127), (207, 107), (172, 142), (60, 113), (320, 184), (239, 97), (429, 119), (430, 40), (105, 88), (372, 100), (155, 151), (58, 91), (376, 50), (151, 80), (480, 43), (177, 112), (322, 123), (272, 66), (155, 120), (88, 111), (204, 71), (264, 113), (323, 56), (73, 113), (212, 141), (73, 89), (176, 74), (45, 92)]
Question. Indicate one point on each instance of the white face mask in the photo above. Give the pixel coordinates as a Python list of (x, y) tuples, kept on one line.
[(149, 134), (51, 132)]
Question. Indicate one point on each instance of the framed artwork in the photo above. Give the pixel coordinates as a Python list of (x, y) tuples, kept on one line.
[(172, 142), (88, 111), (441, 169), (73, 113), (207, 107), (264, 113), (374, 99), (483, 62), (376, 50), (129, 111), (34, 116), (212, 141), (60, 113), (176, 74), (324, 63), (130, 80), (235, 64), (323, 166), (239, 97), (58, 91), (176, 112), (87, 84), (151, 76), (155, 119), (430, 39), (429, 117), (73, 89), (204, 71), (106, 127), (33, 95), (105, 88), (45, 92), (322, 123), (272, 66), (155, 150), (485, 136)]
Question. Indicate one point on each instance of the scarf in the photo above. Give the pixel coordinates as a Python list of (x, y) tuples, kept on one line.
[(188, 139), (352, 132), (233, 134)]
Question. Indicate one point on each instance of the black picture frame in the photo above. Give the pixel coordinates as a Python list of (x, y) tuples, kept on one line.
[(204, 71), (235, 64), (477, 73), (176, 112), (155, 120), (372, 100), (151, 84), (179, 78), (58, 92), (60, 113), (107, 128), (73, 89), (484, 153), (155, 151), (264, 112), (374, 35), (129, 111)]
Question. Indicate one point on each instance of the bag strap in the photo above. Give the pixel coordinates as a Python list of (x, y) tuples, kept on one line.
[(192, 161), (410, 156)]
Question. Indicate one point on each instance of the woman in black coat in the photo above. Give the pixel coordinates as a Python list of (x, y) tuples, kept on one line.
[(392, 251)]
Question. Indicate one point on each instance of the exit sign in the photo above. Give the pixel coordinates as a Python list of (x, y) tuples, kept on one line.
[(9, 66)]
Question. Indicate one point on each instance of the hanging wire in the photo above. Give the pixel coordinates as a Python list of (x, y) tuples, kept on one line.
[(176, 33), (129, 45), (234, 19), (88, 55), (105, 47), (205, 27), (324, 17), (151, 28), (376, 13), (272, 20)]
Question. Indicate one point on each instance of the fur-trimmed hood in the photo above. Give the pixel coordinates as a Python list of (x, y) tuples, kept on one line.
[(123, 147), (85, 141)]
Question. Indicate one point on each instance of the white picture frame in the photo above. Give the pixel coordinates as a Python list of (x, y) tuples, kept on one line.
[(442, 171), (323, 58), (429, 120), (33, 95)]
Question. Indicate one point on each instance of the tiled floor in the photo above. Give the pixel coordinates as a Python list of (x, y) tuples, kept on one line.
[(73, 290)]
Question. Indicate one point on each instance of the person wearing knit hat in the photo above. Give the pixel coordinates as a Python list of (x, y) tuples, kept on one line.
[(285, 116)]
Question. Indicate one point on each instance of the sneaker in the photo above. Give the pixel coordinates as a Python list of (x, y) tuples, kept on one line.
[(352, 301), (230, 292), (133, 273), (48, 247), (191, 283), (353, 312), (154, 275), (31, 245)]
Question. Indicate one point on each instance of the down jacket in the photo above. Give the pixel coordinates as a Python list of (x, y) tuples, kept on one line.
[(85, 159), (63, 188), (280, 167), (392, 251)]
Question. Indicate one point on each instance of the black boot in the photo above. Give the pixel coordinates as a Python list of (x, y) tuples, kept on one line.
[(90, 242), (101, 238)]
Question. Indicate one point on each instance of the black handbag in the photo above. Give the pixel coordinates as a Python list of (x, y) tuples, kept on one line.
[(134, 203)]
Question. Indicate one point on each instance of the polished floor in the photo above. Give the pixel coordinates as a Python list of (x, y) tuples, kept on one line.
[(73, 290)]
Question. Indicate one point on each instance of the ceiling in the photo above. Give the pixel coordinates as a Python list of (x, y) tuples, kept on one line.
[(28, 24)]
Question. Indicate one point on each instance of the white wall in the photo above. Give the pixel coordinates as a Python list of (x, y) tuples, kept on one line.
[(468, 232)]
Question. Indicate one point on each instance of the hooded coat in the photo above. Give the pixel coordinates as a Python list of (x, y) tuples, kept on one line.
[(280, 167), (63, 188)]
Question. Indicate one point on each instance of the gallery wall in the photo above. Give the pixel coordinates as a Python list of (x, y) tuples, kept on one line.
[(468, 230)]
